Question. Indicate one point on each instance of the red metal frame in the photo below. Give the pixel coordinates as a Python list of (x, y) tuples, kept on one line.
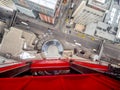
[(14, 69), (61, 82), (50, 65), (86, 68), (91, 65), (92, 77)]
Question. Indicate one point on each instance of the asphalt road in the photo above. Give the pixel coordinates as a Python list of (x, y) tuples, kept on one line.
[(109, 50), (87, 43)]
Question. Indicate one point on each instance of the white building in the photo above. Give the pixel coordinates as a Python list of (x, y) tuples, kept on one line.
[(47, 10), (26, 11), (7, 4), (47, 7), (90, 29), (103, 31), (102, 5), (113, 15), (100, 29), (85, 14)]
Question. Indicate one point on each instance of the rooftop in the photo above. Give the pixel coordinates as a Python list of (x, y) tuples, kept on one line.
[(101, 1), (7, 4), (46, 3), (100, 4)]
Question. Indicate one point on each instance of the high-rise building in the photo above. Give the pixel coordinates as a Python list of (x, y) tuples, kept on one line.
[(113, 15), (48, 10), (102, 5), (47, 7), (51, 11), (90, 11), (26, 11), (85, 14), (7, 4), (21, 3)]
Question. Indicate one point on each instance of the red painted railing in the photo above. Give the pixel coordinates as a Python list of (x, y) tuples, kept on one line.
[(91, 81)]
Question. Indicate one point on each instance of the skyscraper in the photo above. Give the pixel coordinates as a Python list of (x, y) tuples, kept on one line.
[(102, 5), (90, 11), (48, 10)]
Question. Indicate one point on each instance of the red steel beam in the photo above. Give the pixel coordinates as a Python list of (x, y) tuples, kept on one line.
[(83, 67), (50, 65), (61, 82), (14, 70)]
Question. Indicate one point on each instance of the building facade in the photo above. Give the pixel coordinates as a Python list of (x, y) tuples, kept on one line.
[(85, 14), (48, 10), (91, 11), (26, 11), (113, 15), (7, 5), (100, 29), (102, 5), (21, 3)]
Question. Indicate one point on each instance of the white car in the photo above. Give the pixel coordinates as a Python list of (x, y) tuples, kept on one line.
[(76, 43), (24, 23)]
